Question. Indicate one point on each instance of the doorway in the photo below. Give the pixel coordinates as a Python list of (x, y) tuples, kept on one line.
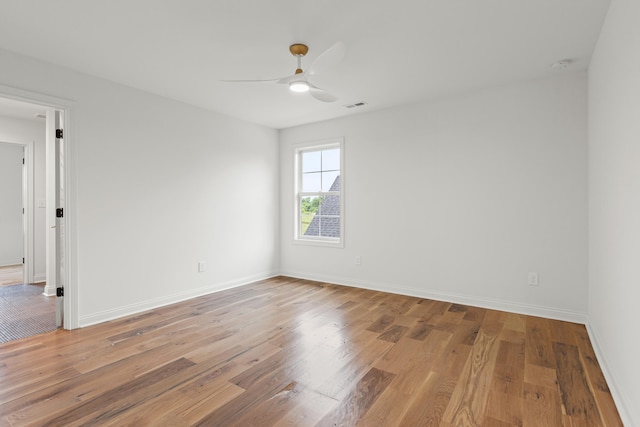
[(24, 310), (12, 212), (42, 156), (11, 274)]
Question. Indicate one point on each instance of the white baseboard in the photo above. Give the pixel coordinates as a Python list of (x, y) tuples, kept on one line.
[(621, 405), (128, 310), (10, 262), (493, 304), (41, 277), (49, 291)]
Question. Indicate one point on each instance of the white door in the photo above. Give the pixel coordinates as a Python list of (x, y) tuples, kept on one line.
[(55, 211), (60, 205)]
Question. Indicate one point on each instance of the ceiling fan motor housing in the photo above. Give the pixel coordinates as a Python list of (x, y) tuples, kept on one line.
[(298, 49)]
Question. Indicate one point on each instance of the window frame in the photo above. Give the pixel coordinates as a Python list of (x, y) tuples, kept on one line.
[(299, 149)]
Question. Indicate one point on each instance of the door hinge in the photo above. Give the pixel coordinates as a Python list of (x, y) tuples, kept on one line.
[(59, 292), (59, 133), (23, 161), (60, 213), (23, 260)]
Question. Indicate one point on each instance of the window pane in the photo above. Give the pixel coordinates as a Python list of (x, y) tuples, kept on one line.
[(311, 182), (330, 205), (311, 161), (330, 181), (319, 173), (331, 159), (309, 207), (329, 227)]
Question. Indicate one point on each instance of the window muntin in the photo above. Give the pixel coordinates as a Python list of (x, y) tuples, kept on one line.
[(319, 194)]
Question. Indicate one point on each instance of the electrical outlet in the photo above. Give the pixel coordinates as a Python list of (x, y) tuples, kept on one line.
[(358, 260), (202, 266), (532, 279)]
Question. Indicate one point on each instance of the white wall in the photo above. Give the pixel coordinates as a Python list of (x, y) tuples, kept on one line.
[(161, 185), (460, 199), (10, 204), (614, 203), (22, 132)]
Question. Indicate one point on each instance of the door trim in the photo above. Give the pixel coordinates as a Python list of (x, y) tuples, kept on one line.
[(71, 302), (28, 218), (27, 192)]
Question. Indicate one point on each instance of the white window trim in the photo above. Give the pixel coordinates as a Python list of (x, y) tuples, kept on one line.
[(310, 240)]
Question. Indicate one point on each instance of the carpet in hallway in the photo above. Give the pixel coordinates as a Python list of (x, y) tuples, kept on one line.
[(24, 312)]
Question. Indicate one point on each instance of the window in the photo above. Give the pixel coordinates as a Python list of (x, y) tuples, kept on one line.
[(319, 201)]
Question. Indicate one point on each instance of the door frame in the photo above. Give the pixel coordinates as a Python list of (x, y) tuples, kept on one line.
[(28, 205), (28, 217), (70, 244)]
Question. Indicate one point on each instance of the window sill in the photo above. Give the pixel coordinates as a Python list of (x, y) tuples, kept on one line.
[(320, 243)]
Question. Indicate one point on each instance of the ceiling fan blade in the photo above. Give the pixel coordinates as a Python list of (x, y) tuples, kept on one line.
[(251, 81), (327, 59), (282, 80), (321, 94), (288, 79)]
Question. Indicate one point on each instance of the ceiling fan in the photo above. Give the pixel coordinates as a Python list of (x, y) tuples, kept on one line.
[(299, 81)]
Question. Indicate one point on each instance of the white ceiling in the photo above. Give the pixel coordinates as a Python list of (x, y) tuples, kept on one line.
[(397, 51)]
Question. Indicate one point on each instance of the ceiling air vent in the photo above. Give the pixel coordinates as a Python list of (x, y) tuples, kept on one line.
[(357, 104)]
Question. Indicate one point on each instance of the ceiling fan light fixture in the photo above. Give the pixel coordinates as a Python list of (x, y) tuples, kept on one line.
[(299, 86)]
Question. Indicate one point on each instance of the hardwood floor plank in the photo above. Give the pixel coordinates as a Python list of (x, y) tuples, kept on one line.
[(420, 331), (508, 375), (577, 399), (310, 408), (539, 345), (175, 405), (66, 393), (393, 334), (421, 309), (439, 307), (431, 401), (272, 410), (355, 363), (541, 376), (403, 354), (357, 403), (413, 385), (492, 422), (117, 400), (512, 336), (11, 275), (382, 323), (418, 366), (515, 322), (23, 385), (293, 352), (261, 382), (596, 379), (505, 408), (454, 357), (542, 406), (200, 409), (468, 402), (505, 401)]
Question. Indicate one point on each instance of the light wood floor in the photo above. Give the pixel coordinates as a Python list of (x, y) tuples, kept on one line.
[(11, 275), (297, 353)]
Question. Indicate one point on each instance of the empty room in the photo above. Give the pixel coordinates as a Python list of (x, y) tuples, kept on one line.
[(329, 213)]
